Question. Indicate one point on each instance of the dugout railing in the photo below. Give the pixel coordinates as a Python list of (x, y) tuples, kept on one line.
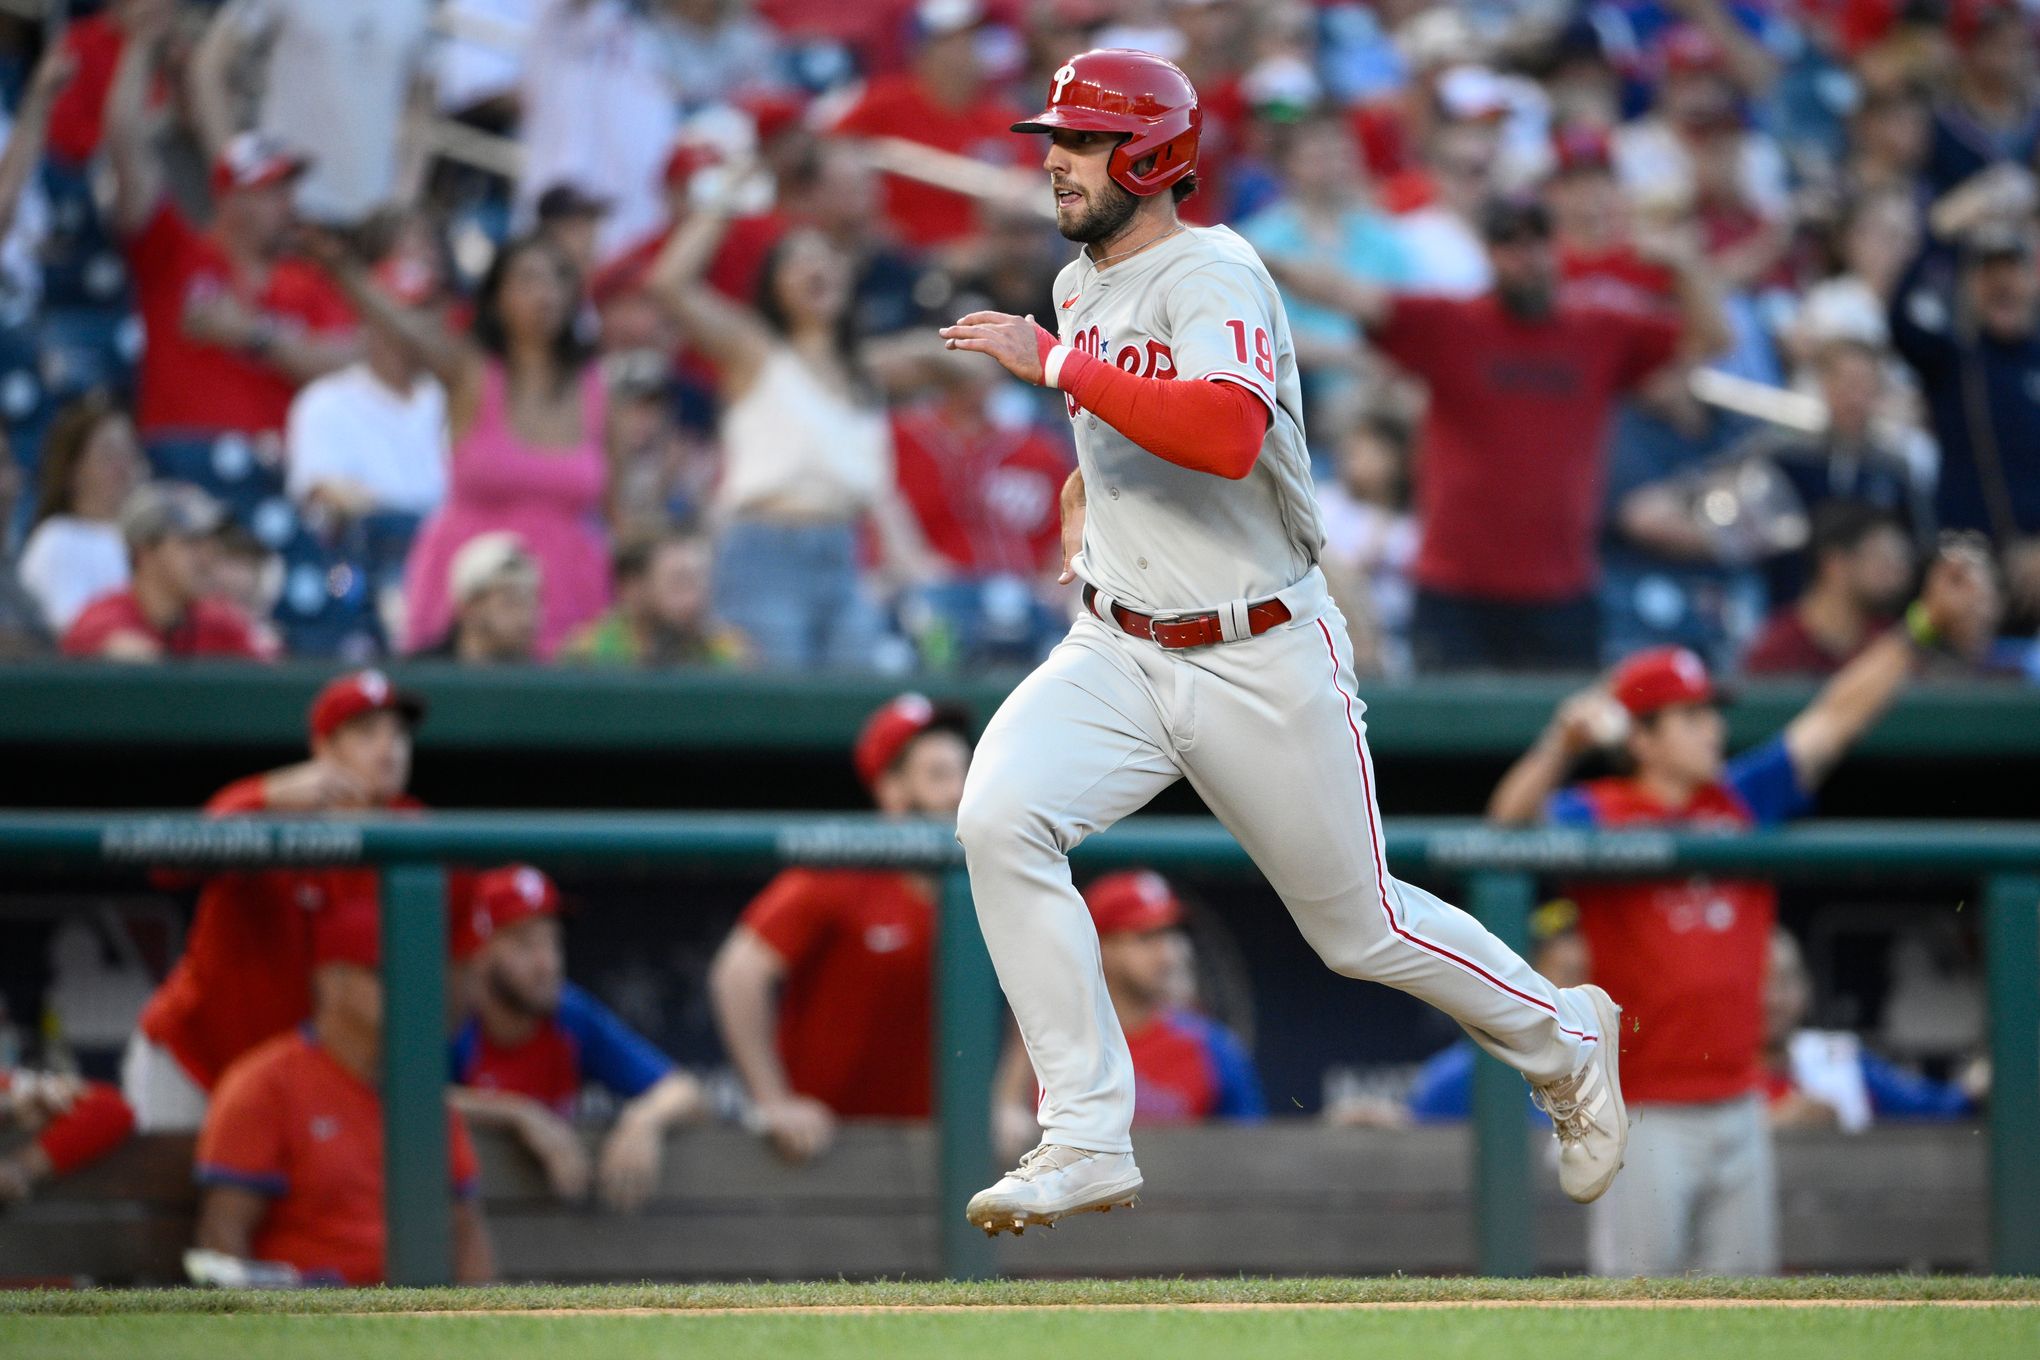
[(1496, 872)]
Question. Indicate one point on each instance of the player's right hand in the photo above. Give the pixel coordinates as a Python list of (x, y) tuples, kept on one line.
[(799, 1128)]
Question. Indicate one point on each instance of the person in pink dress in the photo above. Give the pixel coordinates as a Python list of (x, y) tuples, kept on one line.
[(530, 437)]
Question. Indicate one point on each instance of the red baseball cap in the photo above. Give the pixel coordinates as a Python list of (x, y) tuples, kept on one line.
[(348, 932), (1660, 678), (1690, 48), (1133, 901), (887, 732), (347, 697), (511, 895), (251, 160)]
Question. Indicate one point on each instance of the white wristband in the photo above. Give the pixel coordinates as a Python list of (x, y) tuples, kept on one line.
[(1052, 366)]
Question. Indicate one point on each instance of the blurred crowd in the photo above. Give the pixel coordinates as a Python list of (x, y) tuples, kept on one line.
[(602, 331)]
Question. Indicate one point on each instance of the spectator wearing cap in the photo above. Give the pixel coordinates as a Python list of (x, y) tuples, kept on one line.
[(72, 1122), (371, 437), (1593, 228), (533, 443), (1187, 1067), (345, 82), (1862, 566), (1699, 101), (535, 1040), (290, 1158), (1512, 452), (166, 609), (245, 972), (1685, 957), (233, 324), (494, 584), (599, 110), (823, 992), (943, 101), (91, 464), (1988, 114), (1966, 318), (662, 615)]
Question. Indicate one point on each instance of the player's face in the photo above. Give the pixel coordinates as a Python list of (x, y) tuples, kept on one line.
[(349, 998), (927, 780), (1683, 743), (1089, 207), (526, 965), (376, 749), (1141, 965)]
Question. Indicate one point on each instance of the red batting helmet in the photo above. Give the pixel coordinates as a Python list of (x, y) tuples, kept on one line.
[(1148, 99)]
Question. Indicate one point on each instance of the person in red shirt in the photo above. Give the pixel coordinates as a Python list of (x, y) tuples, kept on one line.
[(291, 1155), (94, 43), (1512, 455), (850, 954), (941, 102), (1591, 228), (164, 610), (1187, 1068), (233, 325), (74, 1123), (245, 974), (985, 493), (1863, 562), (1687, 957), (536, 1039)]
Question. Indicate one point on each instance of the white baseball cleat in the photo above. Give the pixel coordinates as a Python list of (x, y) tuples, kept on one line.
[(1586, 1109), (1052, 1182)]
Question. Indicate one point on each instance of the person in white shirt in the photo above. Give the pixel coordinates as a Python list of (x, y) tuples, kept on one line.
[(372, 437), (91, 462), (600, 113), (345, 83)]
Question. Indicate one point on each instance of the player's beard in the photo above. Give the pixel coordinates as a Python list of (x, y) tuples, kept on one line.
[(1102, 215)]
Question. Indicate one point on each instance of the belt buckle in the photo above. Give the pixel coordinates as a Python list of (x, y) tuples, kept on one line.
[(1157, 622)]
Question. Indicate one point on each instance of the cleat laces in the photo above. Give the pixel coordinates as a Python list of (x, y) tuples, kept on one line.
[(1566, 1103), (1049, 1157)]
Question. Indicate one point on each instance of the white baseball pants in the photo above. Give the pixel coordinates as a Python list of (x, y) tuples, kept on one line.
[(1268, 731)]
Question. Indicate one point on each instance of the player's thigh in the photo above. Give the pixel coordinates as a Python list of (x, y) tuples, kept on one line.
[(1280, 757), (1079, 744)]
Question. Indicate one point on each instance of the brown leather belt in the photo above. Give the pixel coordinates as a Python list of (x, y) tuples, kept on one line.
[(1178, 632)]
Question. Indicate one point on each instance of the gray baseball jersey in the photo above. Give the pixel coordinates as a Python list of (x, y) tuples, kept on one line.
[(1161, 537)]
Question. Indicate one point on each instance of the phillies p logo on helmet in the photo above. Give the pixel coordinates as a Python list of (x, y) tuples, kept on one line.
[(1063, 77)]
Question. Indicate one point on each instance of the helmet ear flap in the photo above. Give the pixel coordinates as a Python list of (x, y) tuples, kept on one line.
[(1171, 140)]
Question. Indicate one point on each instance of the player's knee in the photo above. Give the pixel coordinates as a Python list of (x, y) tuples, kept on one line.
[(992, 817)]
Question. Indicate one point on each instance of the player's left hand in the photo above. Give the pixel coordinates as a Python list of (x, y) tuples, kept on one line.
[(629, 1168), (1015, 341)]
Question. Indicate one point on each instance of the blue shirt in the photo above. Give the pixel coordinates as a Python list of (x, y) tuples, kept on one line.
[(1367, 246), (1762, 779), (580, 1042)]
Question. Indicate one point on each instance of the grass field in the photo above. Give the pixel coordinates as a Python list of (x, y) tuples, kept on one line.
[(1804, 1319)]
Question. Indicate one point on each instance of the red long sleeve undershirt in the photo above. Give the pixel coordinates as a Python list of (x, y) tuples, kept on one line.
[(98, 1121), (1214, 427)]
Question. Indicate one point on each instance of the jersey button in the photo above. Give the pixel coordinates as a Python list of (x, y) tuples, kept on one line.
[(1143, 563), (1113, 492)]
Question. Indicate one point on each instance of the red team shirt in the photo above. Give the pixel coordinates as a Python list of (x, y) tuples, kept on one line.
[(209, 628), (986, 498), (291, 1123), (1514, 436), (246, 972), (854, 1010), (189, 386), (896, 106), (1685, 958)]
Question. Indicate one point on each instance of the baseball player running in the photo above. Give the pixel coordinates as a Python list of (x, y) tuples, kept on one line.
[(1207, 649)]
